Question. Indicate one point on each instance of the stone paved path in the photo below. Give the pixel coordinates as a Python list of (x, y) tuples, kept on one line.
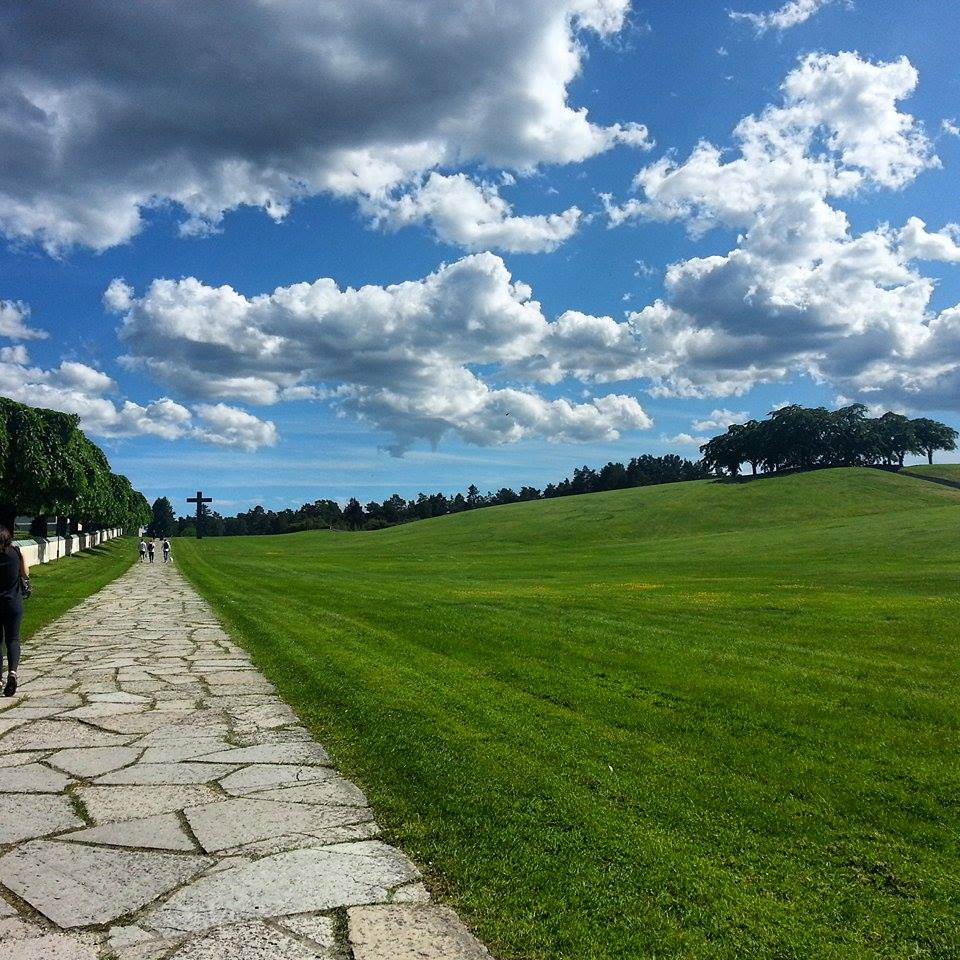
[(158, 800)]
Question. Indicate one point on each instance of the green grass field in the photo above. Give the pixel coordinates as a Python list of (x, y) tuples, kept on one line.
[(60, 585), (700, 720), (943, 471)]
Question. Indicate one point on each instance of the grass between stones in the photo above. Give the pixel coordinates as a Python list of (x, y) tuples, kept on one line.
[(60, 585), (700, 720)]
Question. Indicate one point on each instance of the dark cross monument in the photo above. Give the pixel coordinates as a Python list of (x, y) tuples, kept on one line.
[(199, 500)]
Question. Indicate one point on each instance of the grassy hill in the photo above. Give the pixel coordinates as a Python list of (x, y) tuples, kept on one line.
[(698, 720), (939, 471)]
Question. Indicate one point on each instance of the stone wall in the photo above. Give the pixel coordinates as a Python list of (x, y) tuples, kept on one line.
[(45, 550)]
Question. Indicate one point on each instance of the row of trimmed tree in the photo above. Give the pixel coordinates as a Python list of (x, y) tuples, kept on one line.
[(800, 438), (48, 468)]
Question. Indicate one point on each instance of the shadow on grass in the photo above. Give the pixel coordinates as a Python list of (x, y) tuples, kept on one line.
[(754, 478), (777, 474)]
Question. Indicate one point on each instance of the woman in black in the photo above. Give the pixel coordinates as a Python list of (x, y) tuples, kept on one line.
[(12, 568)]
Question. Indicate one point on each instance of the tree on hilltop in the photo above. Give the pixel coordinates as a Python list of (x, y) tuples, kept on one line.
[(897, 437), (932, 435), (799, 438)]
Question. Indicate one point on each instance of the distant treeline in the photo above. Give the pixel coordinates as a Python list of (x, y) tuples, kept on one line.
[(800, 438), (641, 471), (791, 438)]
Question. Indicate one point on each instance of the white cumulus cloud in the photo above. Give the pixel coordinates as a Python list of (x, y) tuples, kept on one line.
[(686, 440), (14, 315), (791, 14), (801, 291), (407, 357), (917, 244), (473, 216), (720, 420), (78, 388), (230, 427), (110, 107)]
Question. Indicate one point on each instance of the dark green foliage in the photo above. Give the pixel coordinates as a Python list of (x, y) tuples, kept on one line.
[(931, 435), (162, 521), (799, 438), (353, 514), (48, 467), (26, 470)]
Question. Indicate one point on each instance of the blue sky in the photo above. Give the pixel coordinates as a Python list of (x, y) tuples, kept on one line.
[(377, 158)]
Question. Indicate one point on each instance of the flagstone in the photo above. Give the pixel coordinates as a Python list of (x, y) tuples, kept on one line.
[(265, 718), (110, 804), (24, 816), (18, 929), (411, 932), (64, 701), (267, 776), (57, 734), (232, 823), (156, 688), (55, 946), (319, 929), (254, 738), (363, 830), (26, 711), (300, 881), (411, 893), (118, 698), (167, 773), (34, 778), (183, 750), (74, 885), (333, 790), (180, 705), (18, 759), (93, 761), (138, 723), (98, 711), (180, 681), (160, 832), (299, 753), (249, 941), (203, 724), (10, 724), (135, 943)]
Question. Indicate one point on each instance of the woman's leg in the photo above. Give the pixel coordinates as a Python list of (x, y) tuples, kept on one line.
[(11, 615), (11, 632)]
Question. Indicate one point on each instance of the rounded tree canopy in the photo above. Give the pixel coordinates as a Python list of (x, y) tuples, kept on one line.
[(795, 437), (49, 466)]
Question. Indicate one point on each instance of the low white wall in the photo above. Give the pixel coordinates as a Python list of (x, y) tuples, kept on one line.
[(53, 548)]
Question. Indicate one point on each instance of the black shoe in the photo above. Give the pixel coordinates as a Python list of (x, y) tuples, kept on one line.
[(11, 688)]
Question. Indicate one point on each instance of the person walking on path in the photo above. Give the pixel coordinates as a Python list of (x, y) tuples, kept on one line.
[(14, 572), (151, 549), (143, 550), (166, 550)]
